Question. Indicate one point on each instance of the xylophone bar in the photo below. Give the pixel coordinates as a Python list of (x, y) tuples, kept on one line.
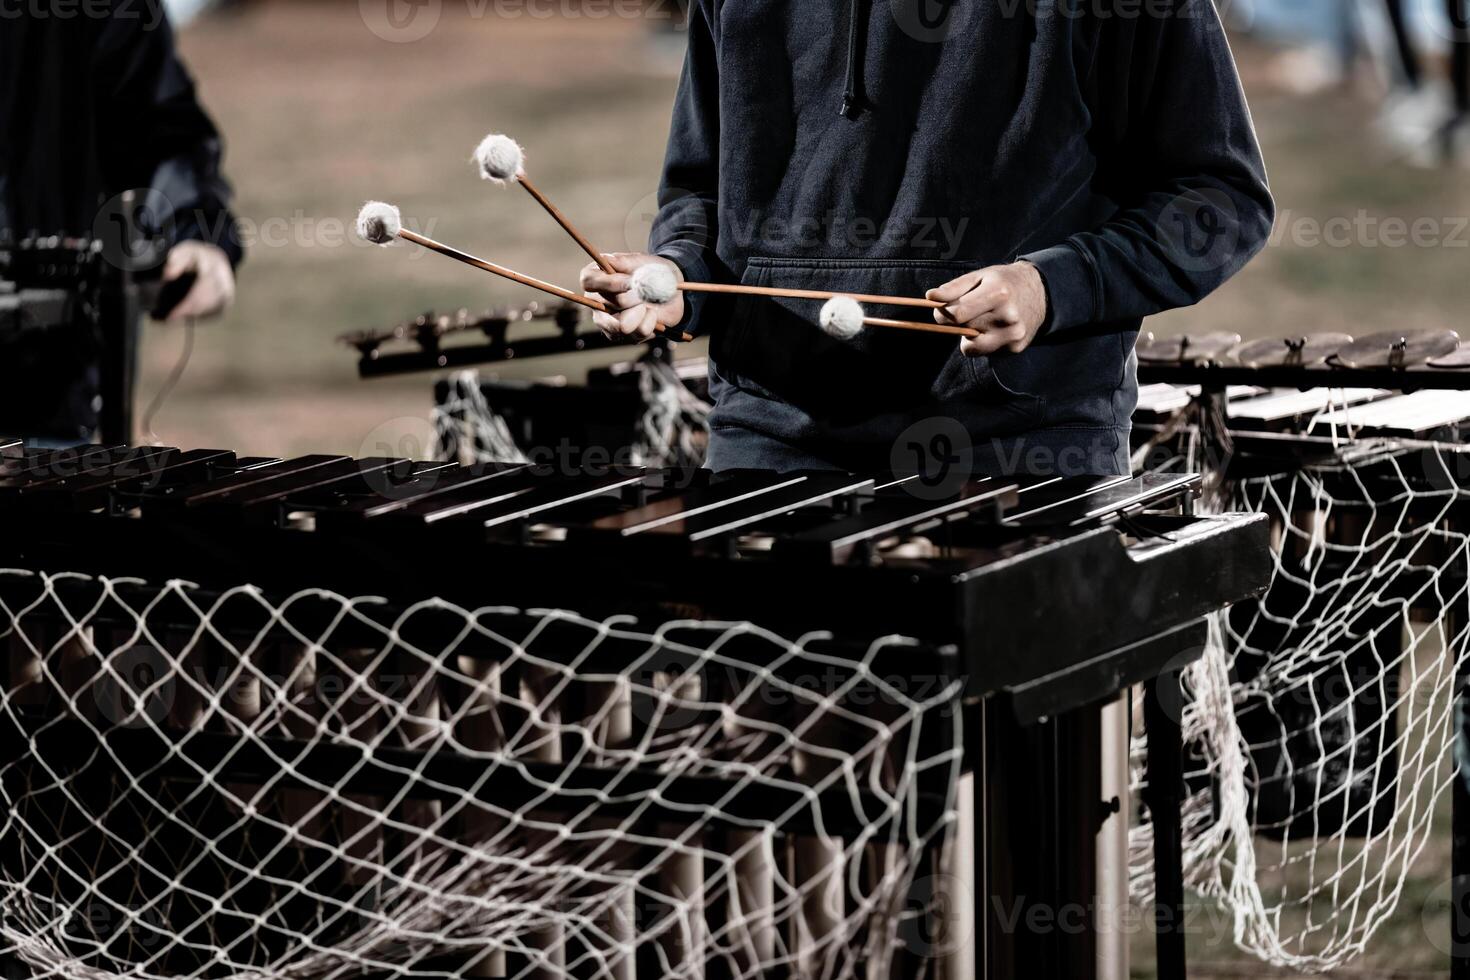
[(892, 514), (1415, 415), (1282, 407), (726, 507), (1109, 498), (1219, 376)]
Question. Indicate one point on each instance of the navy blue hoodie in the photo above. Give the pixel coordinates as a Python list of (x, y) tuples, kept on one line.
[(887, 146)]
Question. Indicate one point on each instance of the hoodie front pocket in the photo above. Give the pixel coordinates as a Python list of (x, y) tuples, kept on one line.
[(774, 347)]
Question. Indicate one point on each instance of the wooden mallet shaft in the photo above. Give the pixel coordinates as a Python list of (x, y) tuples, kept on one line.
[(874, 321), (784, 293), (514, 276), (502, 271), (566, 224)]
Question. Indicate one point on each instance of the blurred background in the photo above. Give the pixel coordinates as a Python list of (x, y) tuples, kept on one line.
[(327, 104)]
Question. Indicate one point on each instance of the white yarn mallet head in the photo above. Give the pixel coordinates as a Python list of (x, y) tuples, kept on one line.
[(379, 223), (500, 158), (842, 317), (655, 283)]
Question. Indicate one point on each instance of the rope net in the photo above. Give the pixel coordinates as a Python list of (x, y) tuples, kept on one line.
[(219, 784), (1320, 724), (468, 430), (671, 430)]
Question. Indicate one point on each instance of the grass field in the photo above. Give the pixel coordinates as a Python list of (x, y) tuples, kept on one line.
[(320, 114)]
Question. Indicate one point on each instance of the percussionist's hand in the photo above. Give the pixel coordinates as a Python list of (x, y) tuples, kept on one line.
[(1006, 303), (635, 319), (214, 279)]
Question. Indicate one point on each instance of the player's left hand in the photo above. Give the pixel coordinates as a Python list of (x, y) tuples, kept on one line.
[(1006, 303), (214, 279)]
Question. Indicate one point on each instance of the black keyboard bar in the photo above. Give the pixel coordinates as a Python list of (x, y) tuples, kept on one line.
[(69, 464), (438, 484), (714, 521), (59, 461), (1108, 499), (466, 498), (135, 465), (1058, 492), (278, 489), (893, 512), (93, 489), (684, 506), (392, 483), (209, 491), (546, 499)]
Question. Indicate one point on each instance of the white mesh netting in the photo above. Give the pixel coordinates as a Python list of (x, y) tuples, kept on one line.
[(672, 430), (467, 429), (1319, 726), (216, 784)]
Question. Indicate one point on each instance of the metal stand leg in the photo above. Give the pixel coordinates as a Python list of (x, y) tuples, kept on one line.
[(1112, 843), (121, 321), (1164, 796)]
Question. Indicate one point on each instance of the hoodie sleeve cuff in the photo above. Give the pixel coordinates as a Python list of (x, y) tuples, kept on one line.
[(218, 227), (1071, 288), (687, 256)]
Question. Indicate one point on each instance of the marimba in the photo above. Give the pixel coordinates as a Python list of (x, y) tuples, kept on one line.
[(1038, 599), (1359, 451)]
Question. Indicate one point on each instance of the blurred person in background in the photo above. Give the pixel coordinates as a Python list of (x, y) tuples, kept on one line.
[(1051, 176), (1423, 49), (94, 101), (1417, 53)]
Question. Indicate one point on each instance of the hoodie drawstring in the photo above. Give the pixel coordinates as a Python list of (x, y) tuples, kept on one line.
[(852, 91)]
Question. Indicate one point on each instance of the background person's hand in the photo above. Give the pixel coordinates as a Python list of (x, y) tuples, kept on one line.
[(1006, 303), (214, 279), (635, 319)]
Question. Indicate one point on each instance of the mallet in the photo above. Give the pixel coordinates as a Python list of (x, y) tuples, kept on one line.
[(656, 283), (501, 159), (843, 317), (380, 223)]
